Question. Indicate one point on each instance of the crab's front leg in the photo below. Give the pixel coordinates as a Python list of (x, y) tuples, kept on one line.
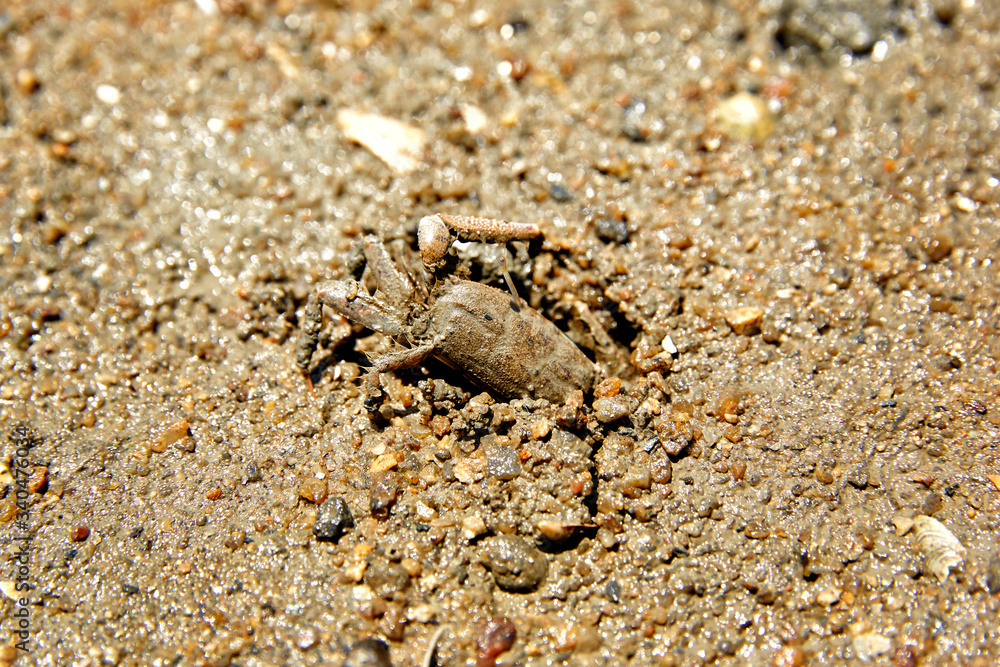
[(388, 363), (345, 298)]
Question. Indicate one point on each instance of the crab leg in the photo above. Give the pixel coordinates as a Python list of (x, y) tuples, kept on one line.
[(345, 298), (392, 362), (395, 285)]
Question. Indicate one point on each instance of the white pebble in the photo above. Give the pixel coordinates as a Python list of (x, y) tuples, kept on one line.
[(108, 94)]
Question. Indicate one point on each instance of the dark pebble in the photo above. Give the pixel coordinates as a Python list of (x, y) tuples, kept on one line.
[(833, 25), (369, 653), (559, 193), (254, 473), (333, 520), (858, 478), (932, 504), (632, 124), (515, 564), (993, 575), (612, 230), (613, 591)]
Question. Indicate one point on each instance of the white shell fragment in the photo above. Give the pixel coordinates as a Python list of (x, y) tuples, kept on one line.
[(942, 550), (399, 145)]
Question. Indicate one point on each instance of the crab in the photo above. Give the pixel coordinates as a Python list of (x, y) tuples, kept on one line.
[(490, 335)]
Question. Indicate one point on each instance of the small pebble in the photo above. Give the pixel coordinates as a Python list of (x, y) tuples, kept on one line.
[(744, 321), (313, 490), (993, 575), (614, 231), (175, 434), (607, 388), (369, 653), (555, 531), (108, 94), (384, 490), (870, 645), (27, 81), (79, 533), (39, 480), (473, 526), (333, 520), (611, 409), (503, 463), (497, 636), (932, 504), (515, 564), (386, 461), (541, 429), (745, 116), (937, 247), (789, 656)]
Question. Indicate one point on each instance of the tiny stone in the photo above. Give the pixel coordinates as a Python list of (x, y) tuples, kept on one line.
[(611, 409), (555, 531), (789, 656), (744, 321), (473, 526), (870, 645), (369, 653), (384, 490), (858, 478), (79, 533), (503, 463), (745, 116), (937, 247), (27, 81), (497, 636), (903, 525), (108, 94), (614, 231), (824, 475), (932, 504), (313, 490), (993, 575), (515, 564), (333, 520), (540, 429)]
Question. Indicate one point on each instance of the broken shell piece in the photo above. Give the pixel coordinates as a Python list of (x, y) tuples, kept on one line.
[(942, 550), (399, 145)]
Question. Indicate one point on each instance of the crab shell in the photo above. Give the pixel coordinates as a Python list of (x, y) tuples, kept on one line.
[(508, 348)]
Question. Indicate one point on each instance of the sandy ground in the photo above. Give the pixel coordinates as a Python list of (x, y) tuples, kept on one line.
[(791, 296)]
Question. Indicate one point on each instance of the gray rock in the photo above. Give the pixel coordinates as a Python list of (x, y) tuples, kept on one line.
[(503, 463), (515, 564)]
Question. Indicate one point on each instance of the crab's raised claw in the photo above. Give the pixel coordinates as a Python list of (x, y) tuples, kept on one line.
[(434, 234)]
